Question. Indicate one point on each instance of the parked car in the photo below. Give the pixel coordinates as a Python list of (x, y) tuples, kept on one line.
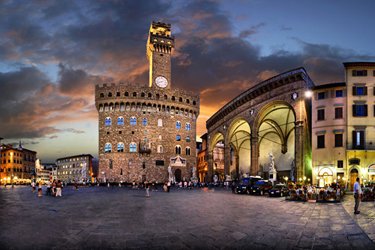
[(243, 187), (279, 190), (261, 187)]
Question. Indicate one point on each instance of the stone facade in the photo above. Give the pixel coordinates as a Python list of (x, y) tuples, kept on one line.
[(76, 168), (275, 107), (17, 165), (143, 128)]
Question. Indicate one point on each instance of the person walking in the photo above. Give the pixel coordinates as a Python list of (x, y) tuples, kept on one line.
[(168, 186), (33, 186), (357, 195), (40, 192), (147, 185), (58, 188)]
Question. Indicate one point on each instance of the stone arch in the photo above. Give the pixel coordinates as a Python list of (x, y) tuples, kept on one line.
[(274, 127), (217, 151), (238, 151)]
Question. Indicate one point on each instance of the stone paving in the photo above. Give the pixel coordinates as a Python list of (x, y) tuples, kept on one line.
[(366, 219), (121, 218)]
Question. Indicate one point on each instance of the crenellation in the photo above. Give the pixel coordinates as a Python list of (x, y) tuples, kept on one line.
[(141, 129)]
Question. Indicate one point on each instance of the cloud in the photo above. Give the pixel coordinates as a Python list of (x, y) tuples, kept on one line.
[(93, 42), (251, 31)]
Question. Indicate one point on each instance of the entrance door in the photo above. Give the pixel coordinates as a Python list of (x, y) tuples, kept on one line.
[(177, 175), (353, 177)]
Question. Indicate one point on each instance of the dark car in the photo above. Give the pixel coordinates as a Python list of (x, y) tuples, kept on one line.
[(279, 190), (243, 187), (261, 187)]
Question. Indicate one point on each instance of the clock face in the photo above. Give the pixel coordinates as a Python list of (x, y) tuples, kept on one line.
[(161, 81), (294, 96)]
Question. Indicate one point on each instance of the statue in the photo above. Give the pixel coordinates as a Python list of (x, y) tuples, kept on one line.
[(215, 179), (170, 174), (272, 162), (194, 170), (292, 170)]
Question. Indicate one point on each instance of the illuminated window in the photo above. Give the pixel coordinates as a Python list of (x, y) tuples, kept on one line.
[(108, 121), (108, 148), (120, 120), (144, 122), (160, 123), (133, 147), (160, 149), (187, 126), (120, 147), (133, 121), (187, 138), (178, 137), (178, 125)]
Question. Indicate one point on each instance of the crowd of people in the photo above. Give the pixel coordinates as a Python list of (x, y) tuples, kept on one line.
[(53, 189), (331, 192)]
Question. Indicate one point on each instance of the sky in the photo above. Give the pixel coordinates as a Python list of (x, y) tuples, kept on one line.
[(53, 53)]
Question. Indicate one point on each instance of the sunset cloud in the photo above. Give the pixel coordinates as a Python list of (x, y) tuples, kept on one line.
[(52, 57)]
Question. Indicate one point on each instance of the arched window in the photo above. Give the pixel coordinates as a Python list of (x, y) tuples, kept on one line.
[(142, 94), (165, 97), (133, 121), (187, 126), (178, 137), (120, 147), (134, 94), (178, 150), (187, 151), (108, 121), (180, 99), (101, 95), (187, 138), (149, 95), (108, 148), (187, 101), (173, 98), (157, 96), (120, 120), (194, 103), (160, 123), (160, 149), (109, 94), (133, 147), (144, 122), (126, 93), (178, 125)]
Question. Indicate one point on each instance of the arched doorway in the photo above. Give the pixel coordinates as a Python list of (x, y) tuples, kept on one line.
[(218, 150), (325, 177), (371, 173), (240, 148), (353, 177), (177, 174), (276, 136)]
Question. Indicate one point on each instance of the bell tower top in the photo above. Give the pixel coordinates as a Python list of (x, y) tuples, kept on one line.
[(160, 44)]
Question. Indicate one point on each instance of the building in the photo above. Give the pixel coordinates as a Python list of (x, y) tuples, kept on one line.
[(76, 168), (144, 128), (43, 174), (360, 101), (270, 118), (329, 133), (202, 166), (17, 165)]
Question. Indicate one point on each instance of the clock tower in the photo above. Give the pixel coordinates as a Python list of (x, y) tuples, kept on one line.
[(159, 49)]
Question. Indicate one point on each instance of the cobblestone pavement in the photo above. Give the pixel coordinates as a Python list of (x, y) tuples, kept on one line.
[(366, 219), (117, 218)]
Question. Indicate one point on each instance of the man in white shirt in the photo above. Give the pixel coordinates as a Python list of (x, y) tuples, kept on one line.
[(357, 195)]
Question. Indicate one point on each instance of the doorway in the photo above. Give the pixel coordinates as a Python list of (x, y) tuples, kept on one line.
[(353, 177), (177, 175)]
